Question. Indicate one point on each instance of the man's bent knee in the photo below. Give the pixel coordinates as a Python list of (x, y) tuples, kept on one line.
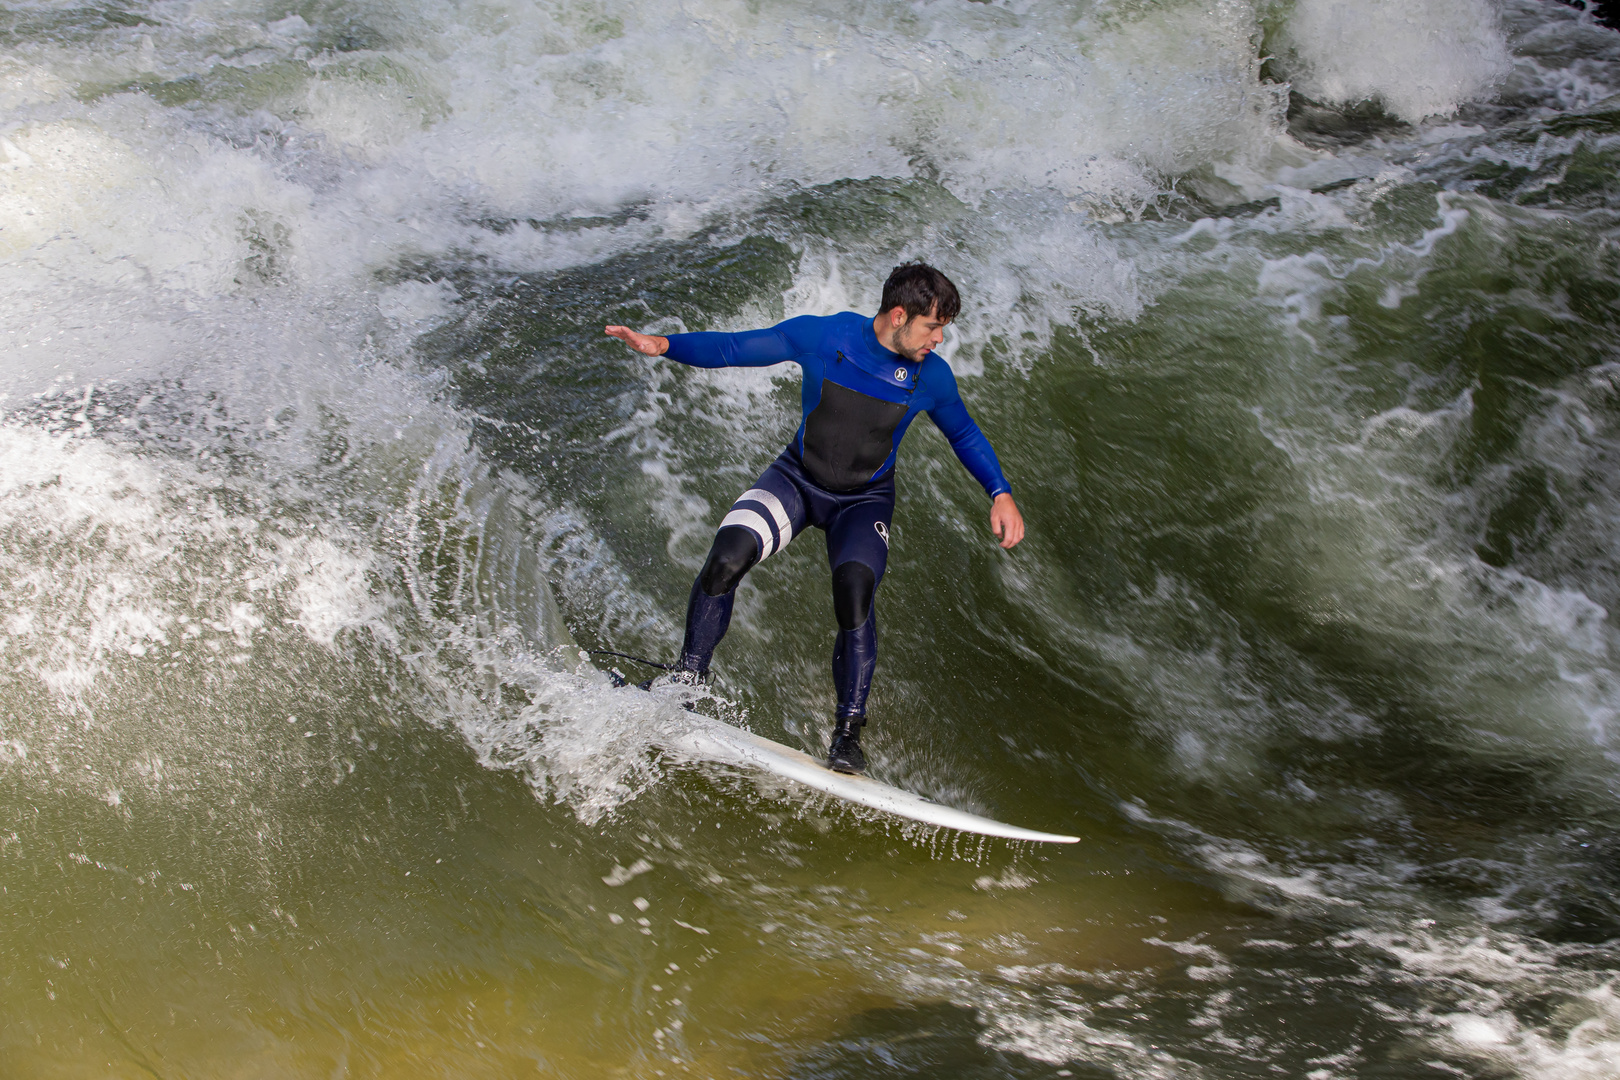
[(853, 585), (734, 553)]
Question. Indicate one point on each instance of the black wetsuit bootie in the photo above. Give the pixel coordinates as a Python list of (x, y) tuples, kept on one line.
[(845, 753), (676, 677)]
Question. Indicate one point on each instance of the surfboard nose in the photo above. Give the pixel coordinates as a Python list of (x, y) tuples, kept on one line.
[(705, 739)]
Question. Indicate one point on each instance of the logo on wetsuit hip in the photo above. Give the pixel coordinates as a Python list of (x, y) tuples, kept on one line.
[(883, 531), (899, 374)]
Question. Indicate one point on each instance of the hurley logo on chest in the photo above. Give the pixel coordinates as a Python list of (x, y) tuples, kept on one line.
[(895, 373)]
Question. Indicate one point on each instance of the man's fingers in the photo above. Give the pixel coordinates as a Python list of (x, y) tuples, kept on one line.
[(1007, 525), (1005, 528), (648, 344)]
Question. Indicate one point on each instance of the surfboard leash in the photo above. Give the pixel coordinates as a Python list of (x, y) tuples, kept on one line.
[(637, 659)]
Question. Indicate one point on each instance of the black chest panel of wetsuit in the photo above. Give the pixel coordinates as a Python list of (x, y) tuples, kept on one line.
[(848, 436)]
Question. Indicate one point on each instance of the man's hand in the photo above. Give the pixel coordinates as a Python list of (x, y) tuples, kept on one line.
[(1005, 520), (646, 344)]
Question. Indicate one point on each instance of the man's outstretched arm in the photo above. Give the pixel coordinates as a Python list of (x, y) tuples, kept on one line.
[(748, 348), (646, 344)]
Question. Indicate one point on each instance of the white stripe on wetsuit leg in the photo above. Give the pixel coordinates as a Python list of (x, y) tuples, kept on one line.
[(784, 527), (755, 524)]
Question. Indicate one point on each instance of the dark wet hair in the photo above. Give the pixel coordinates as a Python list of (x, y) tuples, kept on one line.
[(920, 289)]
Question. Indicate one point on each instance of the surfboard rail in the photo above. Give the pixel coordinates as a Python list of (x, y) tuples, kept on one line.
[(714, 740)]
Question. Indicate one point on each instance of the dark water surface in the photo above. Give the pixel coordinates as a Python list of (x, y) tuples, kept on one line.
[(1294, 325)]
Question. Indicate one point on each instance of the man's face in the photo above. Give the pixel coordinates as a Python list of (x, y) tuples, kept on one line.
[(914, 338)]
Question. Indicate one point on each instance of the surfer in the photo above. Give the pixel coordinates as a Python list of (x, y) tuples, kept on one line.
[(864, 381)]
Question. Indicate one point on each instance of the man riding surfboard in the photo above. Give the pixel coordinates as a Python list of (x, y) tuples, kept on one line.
[(865, 380)]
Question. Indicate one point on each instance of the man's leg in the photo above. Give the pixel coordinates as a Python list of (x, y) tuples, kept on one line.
[(855, 648), (858, 548), (760, 523), (708, 609)]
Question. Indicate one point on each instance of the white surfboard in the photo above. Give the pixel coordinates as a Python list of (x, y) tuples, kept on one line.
[(712, 740)]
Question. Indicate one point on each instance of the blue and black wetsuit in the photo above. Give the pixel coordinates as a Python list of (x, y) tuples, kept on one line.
[(858, 398)]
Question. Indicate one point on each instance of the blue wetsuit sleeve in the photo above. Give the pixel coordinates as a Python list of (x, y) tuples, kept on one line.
[(971, 445), (751, 348)]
